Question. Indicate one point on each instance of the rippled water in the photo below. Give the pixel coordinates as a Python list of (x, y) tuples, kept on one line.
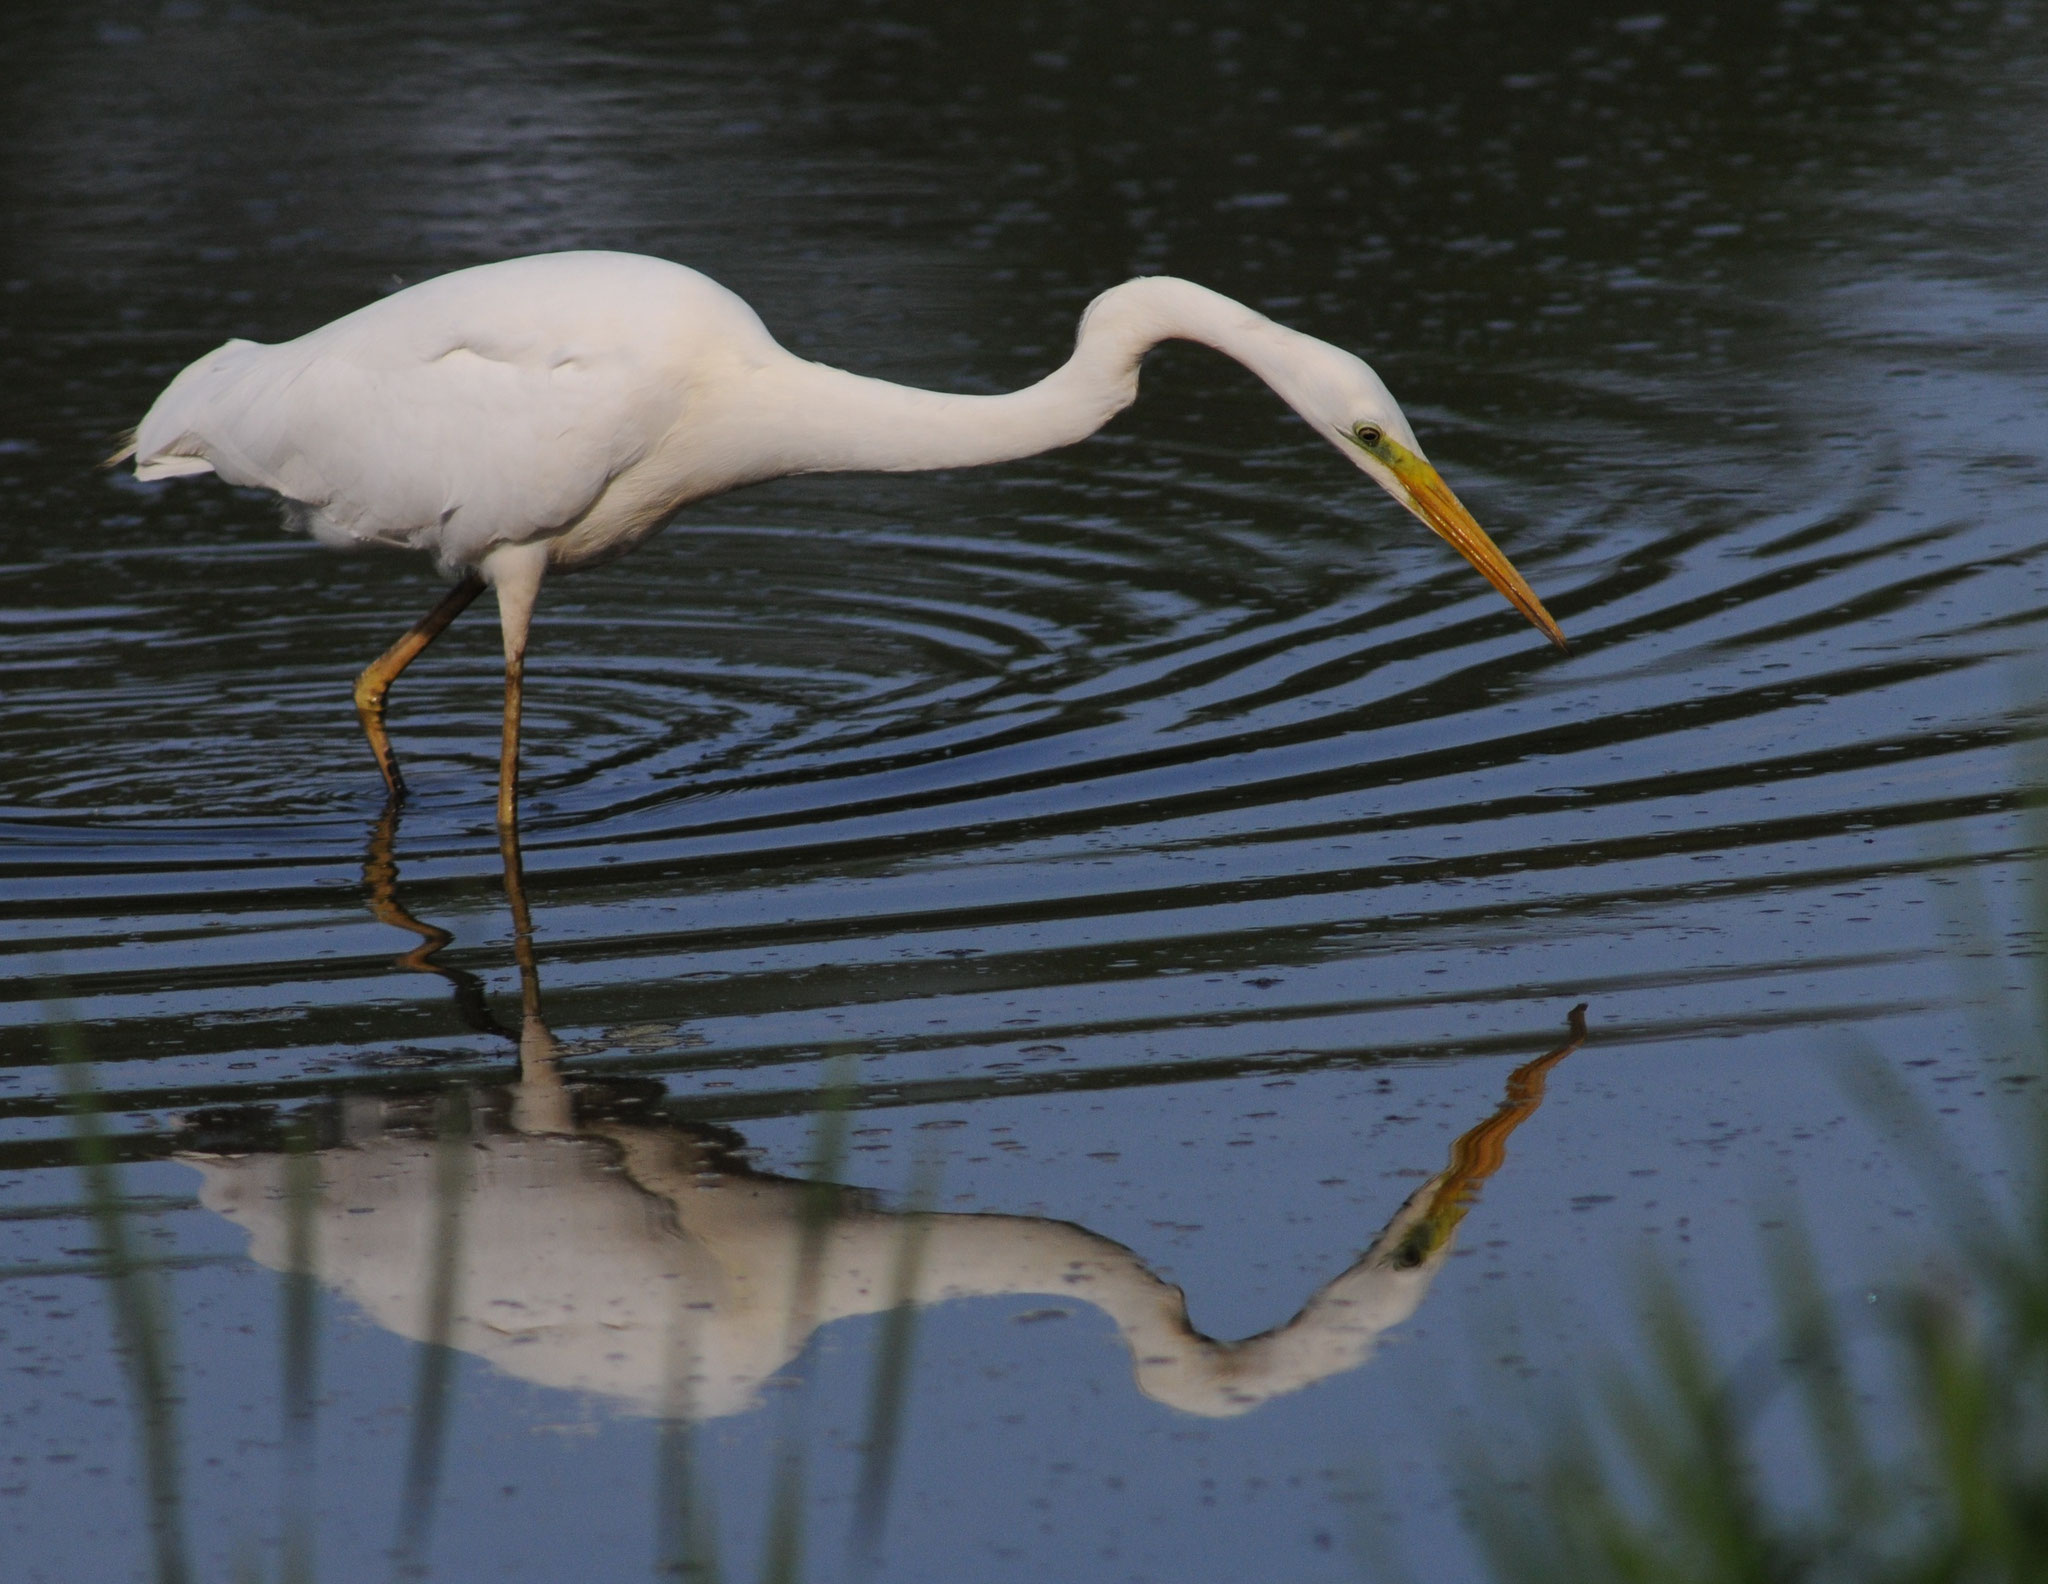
[(1175, 849)]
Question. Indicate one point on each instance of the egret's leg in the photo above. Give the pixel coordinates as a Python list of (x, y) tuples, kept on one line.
[(508, 744), (515, 571), (380, 673), (541, 1103)]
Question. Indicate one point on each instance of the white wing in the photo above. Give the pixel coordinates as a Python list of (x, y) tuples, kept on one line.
[(491, 406)]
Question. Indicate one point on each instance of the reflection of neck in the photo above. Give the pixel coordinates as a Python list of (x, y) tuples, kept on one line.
[(750, 1228), (1335, 1331), (969, 1256)]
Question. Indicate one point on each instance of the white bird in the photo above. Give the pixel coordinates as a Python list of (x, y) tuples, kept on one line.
[(546, 414)]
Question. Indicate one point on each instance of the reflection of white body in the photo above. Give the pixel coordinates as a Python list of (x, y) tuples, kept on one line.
[(611, 1263), (636, 1262)]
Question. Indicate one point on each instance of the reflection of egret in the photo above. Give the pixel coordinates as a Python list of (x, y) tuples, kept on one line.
[(540, 1088), (549, 413), (380, 881), (592, 1252)]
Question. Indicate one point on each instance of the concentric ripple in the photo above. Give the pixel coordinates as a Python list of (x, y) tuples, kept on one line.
[(802, 774)]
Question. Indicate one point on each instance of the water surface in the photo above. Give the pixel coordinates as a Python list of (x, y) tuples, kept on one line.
[(1161, 853)]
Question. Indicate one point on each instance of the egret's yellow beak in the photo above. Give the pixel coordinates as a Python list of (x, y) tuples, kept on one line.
[(1420, 489)]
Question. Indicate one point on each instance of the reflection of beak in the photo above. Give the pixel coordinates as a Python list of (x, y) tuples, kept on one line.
[(1481, 1151), (1430, 498)]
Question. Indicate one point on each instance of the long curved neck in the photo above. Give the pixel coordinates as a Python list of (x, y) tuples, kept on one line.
[(841, 422)]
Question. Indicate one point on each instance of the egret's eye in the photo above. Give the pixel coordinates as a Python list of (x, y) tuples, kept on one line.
[(1367, 435)]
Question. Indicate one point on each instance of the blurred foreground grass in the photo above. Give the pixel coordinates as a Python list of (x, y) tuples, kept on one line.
[(686, 1525), (1889, 1434)]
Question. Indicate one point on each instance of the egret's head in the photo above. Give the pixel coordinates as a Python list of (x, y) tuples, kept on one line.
[(1344, 399)]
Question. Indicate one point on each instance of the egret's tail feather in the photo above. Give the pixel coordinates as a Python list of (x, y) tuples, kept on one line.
[(160, 466), (164, 465)]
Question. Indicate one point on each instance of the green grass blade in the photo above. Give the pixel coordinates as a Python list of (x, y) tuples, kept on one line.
[(1819, 1362), (299, 1321), (782, 1547), (141, 1326), (889, 1390), (437, 1357), (686, 1537)]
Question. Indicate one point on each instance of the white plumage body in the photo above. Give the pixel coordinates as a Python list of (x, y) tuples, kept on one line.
[(543, 398), (548, 413)]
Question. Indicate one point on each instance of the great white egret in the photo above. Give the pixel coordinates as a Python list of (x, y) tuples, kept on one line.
[(548, 413)]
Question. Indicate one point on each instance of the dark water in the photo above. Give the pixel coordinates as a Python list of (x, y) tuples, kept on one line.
[(1161, 858)]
